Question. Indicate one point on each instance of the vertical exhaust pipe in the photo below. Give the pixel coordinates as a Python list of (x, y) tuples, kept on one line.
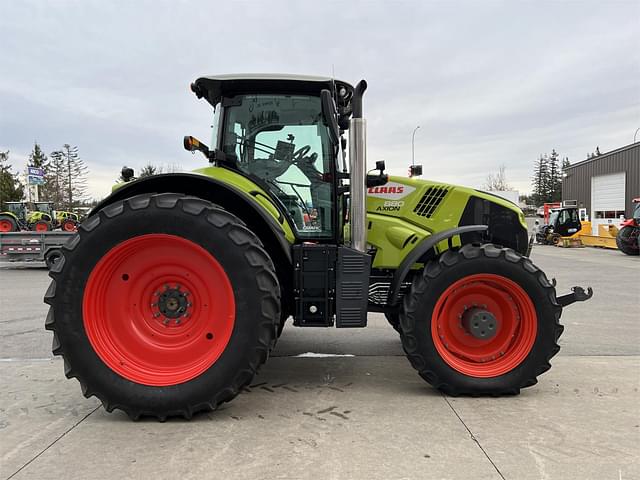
[(358, 168)]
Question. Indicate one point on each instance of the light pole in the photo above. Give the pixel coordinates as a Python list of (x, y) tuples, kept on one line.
[(413, 148), (634, 135)]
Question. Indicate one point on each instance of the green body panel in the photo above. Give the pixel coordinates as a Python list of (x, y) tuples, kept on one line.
[(62, 215), (395, 227), (255, 193), (34, 217)]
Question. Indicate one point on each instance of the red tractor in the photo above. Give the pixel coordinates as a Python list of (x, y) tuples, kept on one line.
[(628, 238)]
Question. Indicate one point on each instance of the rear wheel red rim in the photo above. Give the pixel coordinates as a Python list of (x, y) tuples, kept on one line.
[(5, 226), (158, 309), (42, 227), (516, 320)]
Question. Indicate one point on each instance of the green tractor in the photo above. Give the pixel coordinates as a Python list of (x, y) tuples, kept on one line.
[(67, 221), (176, 287), (19, 217)]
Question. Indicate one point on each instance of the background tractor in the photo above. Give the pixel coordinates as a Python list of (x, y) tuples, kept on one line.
[(36, 216), (628, 237), (175, 289), (19, 216), (563, 222)]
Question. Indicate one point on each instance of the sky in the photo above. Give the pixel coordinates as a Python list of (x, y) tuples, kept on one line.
[(490, 83)]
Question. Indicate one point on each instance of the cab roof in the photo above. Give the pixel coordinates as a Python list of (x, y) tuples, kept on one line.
[(214, 87)]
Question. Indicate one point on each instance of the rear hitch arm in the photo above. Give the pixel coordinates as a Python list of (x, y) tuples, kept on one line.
[(577, 295)]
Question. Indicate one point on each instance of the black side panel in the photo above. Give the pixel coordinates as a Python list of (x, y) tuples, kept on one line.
[(314, 285), (504, 226), (352, 288)]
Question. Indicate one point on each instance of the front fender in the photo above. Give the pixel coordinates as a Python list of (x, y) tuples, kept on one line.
[(420, 249)]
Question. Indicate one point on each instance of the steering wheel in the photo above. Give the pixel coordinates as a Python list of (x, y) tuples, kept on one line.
[(300, 153)]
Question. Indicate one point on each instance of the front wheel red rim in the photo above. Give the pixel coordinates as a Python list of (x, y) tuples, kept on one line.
[(158, 309), (5, 226), (69, 227), (42, 227), (515, 317)]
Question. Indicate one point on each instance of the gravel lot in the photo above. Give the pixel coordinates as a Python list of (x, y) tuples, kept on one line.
[(364, 416)]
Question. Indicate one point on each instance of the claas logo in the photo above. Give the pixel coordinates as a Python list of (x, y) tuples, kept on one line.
[(392, 189)]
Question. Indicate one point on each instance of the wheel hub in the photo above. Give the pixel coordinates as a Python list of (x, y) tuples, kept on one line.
[(480, 323), (172, 304)]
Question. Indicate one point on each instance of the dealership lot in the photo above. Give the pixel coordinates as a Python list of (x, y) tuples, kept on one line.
[(365, 415)]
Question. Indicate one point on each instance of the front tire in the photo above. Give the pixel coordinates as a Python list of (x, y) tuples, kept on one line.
[(69, 225), (627, 240), (436, 332), (163, 305), (41, 226)]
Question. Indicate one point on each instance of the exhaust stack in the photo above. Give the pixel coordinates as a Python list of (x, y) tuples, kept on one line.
[(358, 168)]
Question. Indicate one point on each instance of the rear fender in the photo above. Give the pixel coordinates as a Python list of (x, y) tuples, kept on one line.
[(232, 199)]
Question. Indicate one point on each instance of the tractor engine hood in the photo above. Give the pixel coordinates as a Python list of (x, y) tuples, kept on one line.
[(437, 206)]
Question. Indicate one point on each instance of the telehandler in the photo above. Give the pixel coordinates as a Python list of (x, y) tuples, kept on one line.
[(174, 290)]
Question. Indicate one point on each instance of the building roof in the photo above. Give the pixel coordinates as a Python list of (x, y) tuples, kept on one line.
[(603, 155)]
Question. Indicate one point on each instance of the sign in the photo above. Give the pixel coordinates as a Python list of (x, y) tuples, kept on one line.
[(35, 180), (35, 171), (390, 191)]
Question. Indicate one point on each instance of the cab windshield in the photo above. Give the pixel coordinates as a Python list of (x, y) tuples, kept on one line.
[(282, 141)]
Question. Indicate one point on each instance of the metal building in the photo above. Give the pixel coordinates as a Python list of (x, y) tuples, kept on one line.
[(605, 185)]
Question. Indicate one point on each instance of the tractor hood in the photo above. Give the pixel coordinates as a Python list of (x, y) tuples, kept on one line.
[(437, 206)]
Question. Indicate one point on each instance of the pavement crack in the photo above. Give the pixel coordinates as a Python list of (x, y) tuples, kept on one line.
[(473, 437), (62, 435)]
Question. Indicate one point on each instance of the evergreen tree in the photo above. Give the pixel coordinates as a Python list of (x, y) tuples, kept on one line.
[(11, 189), (38, 159), (540, 180), (554, 192), (70, 177)]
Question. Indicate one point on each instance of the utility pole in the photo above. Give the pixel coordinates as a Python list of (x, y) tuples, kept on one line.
[(413, 149)]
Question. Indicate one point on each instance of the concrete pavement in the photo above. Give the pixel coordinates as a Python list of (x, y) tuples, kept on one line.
[(369, 416)]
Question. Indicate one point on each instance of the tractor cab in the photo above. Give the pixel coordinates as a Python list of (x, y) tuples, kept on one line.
[(565, 221), (281, 133), (18, 209)]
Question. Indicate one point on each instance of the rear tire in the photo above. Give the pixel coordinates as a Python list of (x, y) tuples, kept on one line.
[(114, 339), (627, 240), (8, 224), (504, 283)]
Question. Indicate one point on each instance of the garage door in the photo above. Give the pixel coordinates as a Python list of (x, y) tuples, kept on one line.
[(607, 199)]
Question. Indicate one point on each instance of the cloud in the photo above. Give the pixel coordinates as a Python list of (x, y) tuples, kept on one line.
[(490, 83)]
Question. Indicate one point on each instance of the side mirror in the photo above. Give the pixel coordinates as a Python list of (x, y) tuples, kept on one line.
[(380, 166), (415, 170), (192, 144), (329, 115)]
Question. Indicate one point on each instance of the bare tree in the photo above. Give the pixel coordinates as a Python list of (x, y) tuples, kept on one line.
[(497, 182)]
